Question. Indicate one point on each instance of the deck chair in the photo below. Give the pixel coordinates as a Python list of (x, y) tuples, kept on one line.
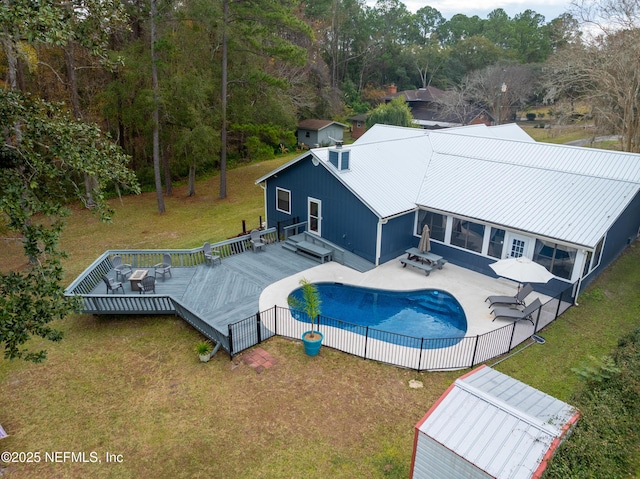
[(211, 256), (256, 242), (122, 269), (147, 285), (112, 284), (525, 291), (515, 314), (164, 267)]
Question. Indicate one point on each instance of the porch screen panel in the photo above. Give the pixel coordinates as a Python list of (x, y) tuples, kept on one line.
[(467, 235), (558, 259), (496, 243), (436, 222)]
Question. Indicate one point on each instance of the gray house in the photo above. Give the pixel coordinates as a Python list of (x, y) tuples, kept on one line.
[(314, 133), (486, 193)]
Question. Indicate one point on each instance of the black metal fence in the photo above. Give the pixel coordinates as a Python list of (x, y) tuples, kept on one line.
[(405, 351)]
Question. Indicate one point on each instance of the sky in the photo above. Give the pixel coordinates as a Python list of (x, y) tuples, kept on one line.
[(549, 8)]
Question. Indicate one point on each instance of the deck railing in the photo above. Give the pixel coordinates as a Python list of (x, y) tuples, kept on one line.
[(180, 258), (400, 350)]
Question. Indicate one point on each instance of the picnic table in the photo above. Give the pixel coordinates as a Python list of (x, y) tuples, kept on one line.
[(425, 261)]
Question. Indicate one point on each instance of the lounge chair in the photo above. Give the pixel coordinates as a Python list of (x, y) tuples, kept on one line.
[(515, 314), (147, 285), (211, 256), (256, 242), (112, 284), (164, 267), (525, 291), (122, 269)]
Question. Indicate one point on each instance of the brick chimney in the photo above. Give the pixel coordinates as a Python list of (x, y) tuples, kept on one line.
[(392, 89)]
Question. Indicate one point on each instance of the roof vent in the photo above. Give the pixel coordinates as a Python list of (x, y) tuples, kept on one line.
[(339, 158)]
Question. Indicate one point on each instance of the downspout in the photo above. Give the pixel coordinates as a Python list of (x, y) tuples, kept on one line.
[(381, 222)]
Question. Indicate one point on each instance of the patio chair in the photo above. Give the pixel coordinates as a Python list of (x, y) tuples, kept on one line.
[(256, 242), (112, 284), (211, 256), (147, 285), (525, 291), (122, 269), (515, 314), (164, 267)]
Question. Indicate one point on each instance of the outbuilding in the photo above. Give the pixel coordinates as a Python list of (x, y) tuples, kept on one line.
[(489, 425), (315, 133)]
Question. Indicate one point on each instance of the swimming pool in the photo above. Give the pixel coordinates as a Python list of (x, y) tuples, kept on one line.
[(409, 315)]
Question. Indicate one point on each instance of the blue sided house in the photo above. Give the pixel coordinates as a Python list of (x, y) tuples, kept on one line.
[(486, 193)]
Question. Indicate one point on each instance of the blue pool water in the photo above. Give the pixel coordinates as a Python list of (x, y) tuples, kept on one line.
[(428, 313)]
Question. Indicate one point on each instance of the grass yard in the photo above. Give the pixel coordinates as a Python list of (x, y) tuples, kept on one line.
[(133, 386)]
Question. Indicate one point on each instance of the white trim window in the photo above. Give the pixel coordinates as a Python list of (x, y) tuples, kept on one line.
[(283, 200)]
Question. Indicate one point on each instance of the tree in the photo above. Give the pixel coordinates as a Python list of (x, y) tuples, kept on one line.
[(500, 89), (43, 153), (262, 28), (396, 112), (604, 68)]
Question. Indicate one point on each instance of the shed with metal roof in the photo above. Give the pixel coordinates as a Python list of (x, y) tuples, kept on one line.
[(490, 425)]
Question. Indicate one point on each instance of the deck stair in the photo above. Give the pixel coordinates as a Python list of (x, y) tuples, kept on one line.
[(339, 254)]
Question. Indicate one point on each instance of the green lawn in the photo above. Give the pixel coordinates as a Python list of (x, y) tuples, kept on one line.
[(133, 386)]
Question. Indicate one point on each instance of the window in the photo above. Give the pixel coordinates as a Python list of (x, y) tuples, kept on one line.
[(437, 224), (517, 248), (593, 258), (496, 242), (283, 200), (467, 235), (307, 134), (558, 259)]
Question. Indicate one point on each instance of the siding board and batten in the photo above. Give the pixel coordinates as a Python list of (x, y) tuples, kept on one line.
[(495, 176), (489, 425)]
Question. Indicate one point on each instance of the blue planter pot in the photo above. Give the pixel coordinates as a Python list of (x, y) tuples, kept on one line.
[(312, 346)]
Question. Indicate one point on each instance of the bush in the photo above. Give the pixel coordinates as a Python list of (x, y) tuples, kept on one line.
[(531, 116), (606, 440)]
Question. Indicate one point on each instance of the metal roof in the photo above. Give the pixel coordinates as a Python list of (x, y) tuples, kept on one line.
[(497, 175), (497, 423)]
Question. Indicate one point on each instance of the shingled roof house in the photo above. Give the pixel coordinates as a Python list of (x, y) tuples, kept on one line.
[(485, 192), (428, 112)]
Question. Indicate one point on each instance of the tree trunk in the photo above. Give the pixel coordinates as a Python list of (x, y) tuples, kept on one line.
[(156, 119), (223, 88), (72, 81), (192, 179)]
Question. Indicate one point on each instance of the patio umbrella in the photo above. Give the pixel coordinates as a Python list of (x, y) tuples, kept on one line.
[(522, 270), (424, 244)]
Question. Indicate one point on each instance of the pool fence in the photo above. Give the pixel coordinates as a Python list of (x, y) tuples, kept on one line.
[(421, 354)]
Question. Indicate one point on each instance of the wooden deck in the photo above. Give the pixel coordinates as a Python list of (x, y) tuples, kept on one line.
[(226, 292), (209, 297)]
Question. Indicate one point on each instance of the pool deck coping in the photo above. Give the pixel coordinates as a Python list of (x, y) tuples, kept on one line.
[(469, 287)]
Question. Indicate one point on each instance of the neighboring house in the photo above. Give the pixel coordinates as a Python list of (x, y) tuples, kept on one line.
[(486, 193), (314, 133), (488, 425), (358, 125), (428, 113)]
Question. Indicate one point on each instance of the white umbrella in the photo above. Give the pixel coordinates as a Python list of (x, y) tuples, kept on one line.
[(522, 270), (425, 244)]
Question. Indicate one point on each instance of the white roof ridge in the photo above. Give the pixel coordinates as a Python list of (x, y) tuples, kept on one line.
[(543, 426), (554, 169)]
